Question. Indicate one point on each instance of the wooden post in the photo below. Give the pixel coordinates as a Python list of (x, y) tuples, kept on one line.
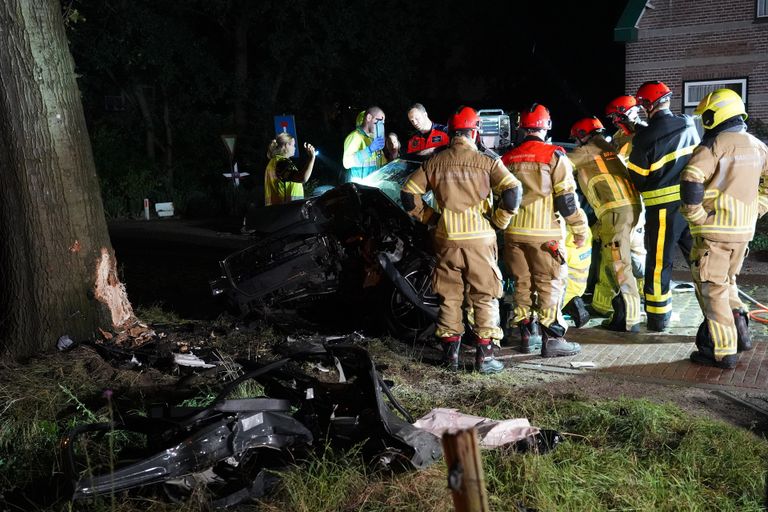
[(465, 471)]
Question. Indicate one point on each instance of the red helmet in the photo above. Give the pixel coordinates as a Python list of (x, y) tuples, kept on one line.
[(586, 126), (465, 118), (650, 94), (536, 118), (620, 106)]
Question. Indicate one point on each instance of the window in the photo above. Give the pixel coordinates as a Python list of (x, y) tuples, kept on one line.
[(693, 92), (762, 8)]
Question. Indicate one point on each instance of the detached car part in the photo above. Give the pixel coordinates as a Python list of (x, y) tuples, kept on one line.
[(232, 446)]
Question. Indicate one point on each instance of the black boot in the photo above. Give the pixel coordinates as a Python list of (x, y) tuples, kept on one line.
[(530, 336), (484, 361), (741, 318), (658, 322), (554, 345), (618, 320), (451, 346), (706, 353), (577, 311)]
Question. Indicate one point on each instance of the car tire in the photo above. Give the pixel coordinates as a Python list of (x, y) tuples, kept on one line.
[(404, 320)]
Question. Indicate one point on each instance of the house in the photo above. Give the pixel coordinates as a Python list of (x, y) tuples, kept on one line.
[(697, 47)]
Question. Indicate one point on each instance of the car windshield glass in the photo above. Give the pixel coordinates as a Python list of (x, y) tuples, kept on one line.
[(390, 178)]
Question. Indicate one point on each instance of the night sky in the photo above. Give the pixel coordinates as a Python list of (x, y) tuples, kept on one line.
[(510, 55)]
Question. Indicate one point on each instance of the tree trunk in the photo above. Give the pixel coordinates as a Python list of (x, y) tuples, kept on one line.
[(57, 266), (149, 125)]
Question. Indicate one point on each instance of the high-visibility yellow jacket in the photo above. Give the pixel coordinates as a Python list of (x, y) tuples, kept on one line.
[(548, 192), (724, 187), (463, 181), (282, 183), (602, 176), (357, 159)]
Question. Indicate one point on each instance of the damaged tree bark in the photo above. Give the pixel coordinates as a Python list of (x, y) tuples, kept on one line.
[(57, 266)]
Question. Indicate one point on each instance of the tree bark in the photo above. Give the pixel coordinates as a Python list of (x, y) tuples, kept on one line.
[(57, 266)]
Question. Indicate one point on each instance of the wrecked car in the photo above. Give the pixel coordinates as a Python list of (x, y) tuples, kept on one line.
[(232, 447), (353, 248)]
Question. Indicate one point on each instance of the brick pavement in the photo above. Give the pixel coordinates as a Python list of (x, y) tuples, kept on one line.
[(662, 357)]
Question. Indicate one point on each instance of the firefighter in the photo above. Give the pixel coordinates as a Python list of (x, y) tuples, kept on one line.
[(659, 154), (532, 252), (463, 181), (604, 181), (428, 135), (363, 147), (723, 189), (624, 114)]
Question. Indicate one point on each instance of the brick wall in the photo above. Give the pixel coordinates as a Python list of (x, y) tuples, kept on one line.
[(684, 41)]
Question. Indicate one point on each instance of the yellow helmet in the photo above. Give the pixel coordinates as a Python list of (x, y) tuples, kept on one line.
[(719, 106)]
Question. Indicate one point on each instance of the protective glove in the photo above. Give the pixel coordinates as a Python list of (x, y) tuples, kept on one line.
[(377, 144)]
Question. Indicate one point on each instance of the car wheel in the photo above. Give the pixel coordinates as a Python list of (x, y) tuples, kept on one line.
[(403, 319)]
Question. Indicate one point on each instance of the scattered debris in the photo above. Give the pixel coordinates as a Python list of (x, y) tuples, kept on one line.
[(231, 446), (583, 364), (491, 433)]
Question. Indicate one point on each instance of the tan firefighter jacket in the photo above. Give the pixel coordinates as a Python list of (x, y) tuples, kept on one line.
[(622, 141), (724, 187), (602, 176), (548, 189), (462, 180)]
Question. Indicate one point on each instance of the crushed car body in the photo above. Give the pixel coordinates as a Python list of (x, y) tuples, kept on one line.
[(232, 446), (353, 244)]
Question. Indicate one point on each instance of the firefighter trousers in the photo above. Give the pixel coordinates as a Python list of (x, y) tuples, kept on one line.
[(714, 267), (603, 293), (470, 272), (664, 227), (539, 276), (616, 228)]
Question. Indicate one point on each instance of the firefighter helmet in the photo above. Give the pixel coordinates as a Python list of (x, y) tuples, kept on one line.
[(719, 106), (465, 118), (586, 126), (536, 118), (650, 94), (621, 106)]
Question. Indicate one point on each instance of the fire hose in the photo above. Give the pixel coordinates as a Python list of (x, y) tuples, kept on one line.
[(758, 315)]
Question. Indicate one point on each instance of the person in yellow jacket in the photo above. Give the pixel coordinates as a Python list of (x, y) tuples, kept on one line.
[(578, 259), (604, 180), (532, 250), (363, 147), (463, 181), (723, 190), (283, 182)]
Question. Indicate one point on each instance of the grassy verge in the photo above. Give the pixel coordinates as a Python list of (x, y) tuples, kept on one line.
[(618, 454)]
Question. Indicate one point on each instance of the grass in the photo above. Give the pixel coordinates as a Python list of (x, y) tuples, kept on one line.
[(617, 455)]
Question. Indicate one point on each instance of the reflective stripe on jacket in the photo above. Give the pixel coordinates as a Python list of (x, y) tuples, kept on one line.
[(546, 173), (733, 169), (462, 180), (602, 176), (659, 154)]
